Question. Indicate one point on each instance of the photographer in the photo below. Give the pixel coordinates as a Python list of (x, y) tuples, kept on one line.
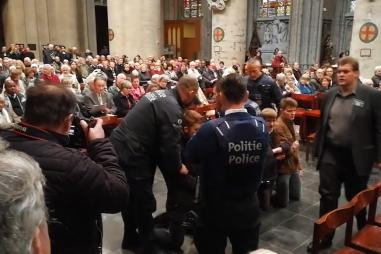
[(78, 187)]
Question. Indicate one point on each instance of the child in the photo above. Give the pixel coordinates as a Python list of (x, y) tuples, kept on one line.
[(288, 183), (276, 153), (181, 190)]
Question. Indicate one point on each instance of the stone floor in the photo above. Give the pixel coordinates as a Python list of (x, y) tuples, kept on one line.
[(284, 231)]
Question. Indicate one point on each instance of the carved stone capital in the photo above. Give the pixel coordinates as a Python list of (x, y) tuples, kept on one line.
[(217, 4)]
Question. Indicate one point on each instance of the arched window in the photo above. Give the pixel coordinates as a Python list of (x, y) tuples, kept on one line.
[(192, 8), (274, 8)]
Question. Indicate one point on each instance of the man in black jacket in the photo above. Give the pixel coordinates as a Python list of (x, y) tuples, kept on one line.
[(262, 89), (79, 187), (348, 141), (150, 136)]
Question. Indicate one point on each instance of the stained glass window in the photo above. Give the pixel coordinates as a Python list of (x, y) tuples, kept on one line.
[(274, 8), (192, 8)]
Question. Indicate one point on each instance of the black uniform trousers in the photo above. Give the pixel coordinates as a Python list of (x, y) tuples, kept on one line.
[(138, 213), (337, 168), (243, 232)]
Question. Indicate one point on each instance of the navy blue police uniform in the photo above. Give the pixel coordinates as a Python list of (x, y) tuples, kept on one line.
[(264, 91), (149, 136), (231, 151)]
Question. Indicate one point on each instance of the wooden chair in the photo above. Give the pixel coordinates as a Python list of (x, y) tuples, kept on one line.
[(209, 93), (372, 217), (329, 222), (110, 120), (368, 239), (208, 111), (306, 101)]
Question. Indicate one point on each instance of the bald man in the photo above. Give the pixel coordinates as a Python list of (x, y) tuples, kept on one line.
[(262, 89)]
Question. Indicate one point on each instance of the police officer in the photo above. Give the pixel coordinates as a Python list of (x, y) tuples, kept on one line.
[(262, 89), (231, 151), (150, 136)]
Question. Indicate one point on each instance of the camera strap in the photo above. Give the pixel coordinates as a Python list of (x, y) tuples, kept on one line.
[(36, 133)]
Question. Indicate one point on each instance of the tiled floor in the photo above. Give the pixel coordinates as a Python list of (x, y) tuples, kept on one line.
[(284, 231)]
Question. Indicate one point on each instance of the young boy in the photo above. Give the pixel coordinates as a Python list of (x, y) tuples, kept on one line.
[(181, 193), (275, 154), (288, 185)]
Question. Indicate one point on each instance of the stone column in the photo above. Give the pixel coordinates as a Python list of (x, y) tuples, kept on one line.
[(137, 27), (206, 33), (64, 23), (366, 51), (233, 21), (14, 22), (305, 32)]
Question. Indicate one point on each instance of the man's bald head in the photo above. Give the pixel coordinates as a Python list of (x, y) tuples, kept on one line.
[(254, 69)]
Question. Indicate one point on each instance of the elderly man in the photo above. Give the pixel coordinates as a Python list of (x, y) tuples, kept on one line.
[(115, 88), (79, 187), (98, 101), (22, 210), (14, 100)]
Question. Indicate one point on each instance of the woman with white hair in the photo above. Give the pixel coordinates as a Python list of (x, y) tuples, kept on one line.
[(69, 78), (377, 77), (22, 207)]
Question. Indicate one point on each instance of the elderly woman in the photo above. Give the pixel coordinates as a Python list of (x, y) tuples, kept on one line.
[(69, 77), (124, 100)]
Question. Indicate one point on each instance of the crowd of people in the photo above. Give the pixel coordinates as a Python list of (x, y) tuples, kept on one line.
[(215, 170)]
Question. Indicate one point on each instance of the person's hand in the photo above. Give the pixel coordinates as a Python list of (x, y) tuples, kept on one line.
[(107, 110), (277, 150), (184, 170), (295, 145), (94, 132)]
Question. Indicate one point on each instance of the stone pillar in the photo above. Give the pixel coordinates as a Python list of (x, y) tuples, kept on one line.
[(14, 22), (86, 12), (45, 21), (367, 51), (305, 32), (233, 21), (64, 23), (206, 33), (137, 27)]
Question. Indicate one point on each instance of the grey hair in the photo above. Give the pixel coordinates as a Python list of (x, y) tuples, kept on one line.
[(22, 205), (377, 68)]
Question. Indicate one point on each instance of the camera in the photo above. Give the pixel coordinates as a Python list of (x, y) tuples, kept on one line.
[(76, 133)]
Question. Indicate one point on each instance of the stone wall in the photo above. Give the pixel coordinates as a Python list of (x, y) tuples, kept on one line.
[(137, 27), (48, 21), (233, 21)]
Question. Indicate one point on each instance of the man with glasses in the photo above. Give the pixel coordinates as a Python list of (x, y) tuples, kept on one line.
[(348, 141)]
